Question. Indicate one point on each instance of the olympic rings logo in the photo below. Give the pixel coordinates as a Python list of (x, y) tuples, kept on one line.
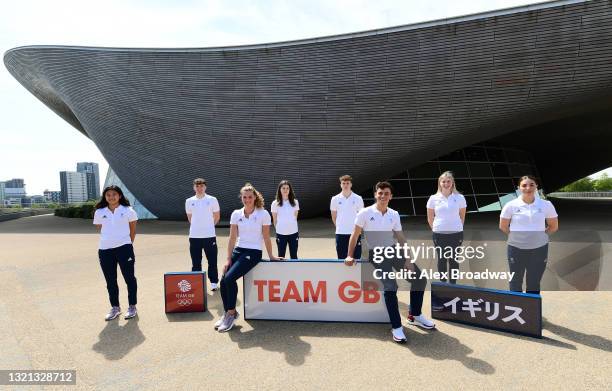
[(184, 302)]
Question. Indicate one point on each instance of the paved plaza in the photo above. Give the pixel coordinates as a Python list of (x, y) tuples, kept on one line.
[(53, 300)]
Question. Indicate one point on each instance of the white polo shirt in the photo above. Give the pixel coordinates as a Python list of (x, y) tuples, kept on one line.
[(286, 222), (528, 222), (249, 228), (115, 230), (447, 219), (378, 228), (346, 209), (202, 218)]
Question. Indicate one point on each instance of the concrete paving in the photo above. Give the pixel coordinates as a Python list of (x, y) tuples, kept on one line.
[(53, 300)]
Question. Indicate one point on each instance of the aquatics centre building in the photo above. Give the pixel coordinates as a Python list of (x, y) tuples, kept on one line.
[(491, 97)]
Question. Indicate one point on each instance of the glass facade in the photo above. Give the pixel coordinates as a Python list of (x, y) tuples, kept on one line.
[(486, 174), (142, 212)]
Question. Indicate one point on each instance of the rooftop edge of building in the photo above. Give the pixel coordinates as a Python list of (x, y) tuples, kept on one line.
[(335, 37)]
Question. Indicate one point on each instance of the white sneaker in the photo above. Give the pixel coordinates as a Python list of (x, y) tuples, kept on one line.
[(230, 320), (113, 313), (398, 335), (214, 286), (220, 321), (421, 321)]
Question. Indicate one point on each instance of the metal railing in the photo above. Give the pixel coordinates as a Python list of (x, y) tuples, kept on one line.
[(581, 194)]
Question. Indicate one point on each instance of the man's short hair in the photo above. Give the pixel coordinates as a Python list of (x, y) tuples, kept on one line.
[(199, 181), (383, 185), (345, 178)]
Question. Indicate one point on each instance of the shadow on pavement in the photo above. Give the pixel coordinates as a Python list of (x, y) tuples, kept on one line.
[(115, 341), (544, 340), (437, 345), (590, 340), (273, 337), (286, 337), (189, 316)]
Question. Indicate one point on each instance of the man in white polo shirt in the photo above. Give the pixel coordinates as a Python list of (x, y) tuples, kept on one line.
[(344, 207), (382, 228), (203, 213)]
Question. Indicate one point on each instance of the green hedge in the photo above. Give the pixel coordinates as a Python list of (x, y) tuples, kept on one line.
[(85, 211)]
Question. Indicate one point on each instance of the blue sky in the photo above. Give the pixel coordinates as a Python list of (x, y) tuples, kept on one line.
[(37, 144)]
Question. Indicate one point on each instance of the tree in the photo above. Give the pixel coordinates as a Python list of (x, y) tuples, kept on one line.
[(584, 184), (603, 183)]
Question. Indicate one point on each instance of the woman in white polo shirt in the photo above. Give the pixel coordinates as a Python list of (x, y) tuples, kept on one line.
[(117, 222), (446, 216), (249, 227), (285, 209), (528, 220)]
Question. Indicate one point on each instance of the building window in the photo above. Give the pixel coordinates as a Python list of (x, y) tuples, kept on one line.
[(487, 176)]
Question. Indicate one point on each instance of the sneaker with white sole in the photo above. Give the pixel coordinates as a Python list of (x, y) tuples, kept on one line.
[(214, 286), (421, 321), (220, 321), (228, 323), (113, 313), (131, 312), (398, 335)]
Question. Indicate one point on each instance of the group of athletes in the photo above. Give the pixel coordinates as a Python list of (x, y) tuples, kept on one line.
[(527, 220)]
